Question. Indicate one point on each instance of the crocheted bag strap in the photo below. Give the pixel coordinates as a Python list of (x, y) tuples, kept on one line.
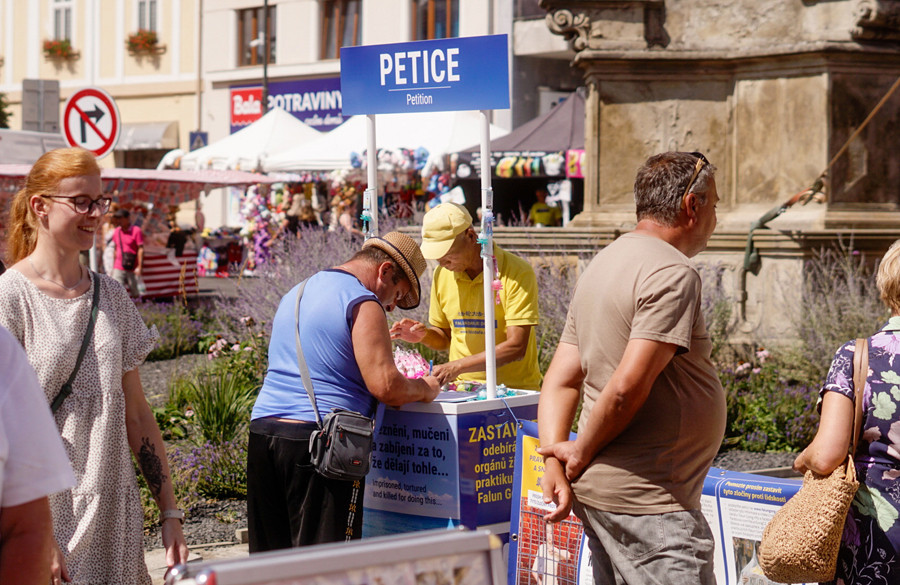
[(860, 373)]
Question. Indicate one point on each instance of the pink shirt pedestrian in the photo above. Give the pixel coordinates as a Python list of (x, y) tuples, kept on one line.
[(127, 240)]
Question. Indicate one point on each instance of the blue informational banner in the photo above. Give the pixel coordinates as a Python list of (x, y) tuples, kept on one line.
[(467, 73), (444, 464)]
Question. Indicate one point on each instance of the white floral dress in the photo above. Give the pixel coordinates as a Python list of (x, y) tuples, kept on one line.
[(98, 523)]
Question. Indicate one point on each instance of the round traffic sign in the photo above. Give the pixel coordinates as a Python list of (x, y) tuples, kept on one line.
[(91, 121)]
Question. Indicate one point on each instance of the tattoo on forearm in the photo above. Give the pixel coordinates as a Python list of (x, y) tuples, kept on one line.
[(151, 466)]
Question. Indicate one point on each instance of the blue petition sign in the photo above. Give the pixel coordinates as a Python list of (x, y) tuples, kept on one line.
[(468, 73)]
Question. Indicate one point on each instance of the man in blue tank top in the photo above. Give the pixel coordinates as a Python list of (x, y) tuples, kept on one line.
[(347, 348)]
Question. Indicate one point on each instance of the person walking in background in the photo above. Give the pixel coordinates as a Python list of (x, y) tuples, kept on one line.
[(347, 348), (870, 549), (177, 237), (456, 314), (46, 300), (129, 241), (636, 345), (33, 465), (542, 214), (106, 236), (346, 219)]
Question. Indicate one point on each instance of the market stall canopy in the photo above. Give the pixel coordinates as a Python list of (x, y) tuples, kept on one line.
[(248, 148), (538, 147), (23, 146), (168, 187), (148, 136), (439, 133)]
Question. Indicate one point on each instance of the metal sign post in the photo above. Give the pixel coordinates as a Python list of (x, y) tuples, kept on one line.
[(468, 73), (487, 254), (370, 196)]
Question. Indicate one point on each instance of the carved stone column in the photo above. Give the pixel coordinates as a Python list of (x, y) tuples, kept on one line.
[(769, 90)]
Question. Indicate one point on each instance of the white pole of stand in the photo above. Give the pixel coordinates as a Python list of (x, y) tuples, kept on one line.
[(487, 255), (94, 258), (370, 197)]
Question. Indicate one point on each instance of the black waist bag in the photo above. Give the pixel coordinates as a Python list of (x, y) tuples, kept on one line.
[(129, 261), (342, 448)]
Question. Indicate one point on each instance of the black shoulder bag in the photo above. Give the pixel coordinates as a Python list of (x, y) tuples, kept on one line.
[(129, 259), (341, 448), (88, 333)]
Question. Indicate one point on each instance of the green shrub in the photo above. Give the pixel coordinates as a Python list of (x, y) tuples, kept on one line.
[(172, 422), (767, 411), (556, 280), (219, 404), (247, 358)]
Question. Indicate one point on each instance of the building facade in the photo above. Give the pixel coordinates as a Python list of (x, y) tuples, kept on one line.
[(180, 66), (142, 52), (298, 63)]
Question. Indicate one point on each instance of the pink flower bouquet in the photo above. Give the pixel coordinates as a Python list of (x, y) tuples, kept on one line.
[(410, 362)]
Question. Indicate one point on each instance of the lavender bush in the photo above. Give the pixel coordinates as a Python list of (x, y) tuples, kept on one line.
[(839, 301), (556, 278), (179, 331), (211, 470), (257, 298), (716, 306), (770, 403)]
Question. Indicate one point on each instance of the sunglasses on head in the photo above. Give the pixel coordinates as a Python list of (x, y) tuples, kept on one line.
[(701, 162)]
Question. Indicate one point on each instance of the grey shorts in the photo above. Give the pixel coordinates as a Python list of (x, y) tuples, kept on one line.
[(675, 548), (127, 279)]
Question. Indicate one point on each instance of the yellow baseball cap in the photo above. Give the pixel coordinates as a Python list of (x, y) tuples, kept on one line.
[(440, 226)]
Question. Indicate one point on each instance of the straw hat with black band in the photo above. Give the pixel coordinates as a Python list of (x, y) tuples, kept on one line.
[(406, 253)]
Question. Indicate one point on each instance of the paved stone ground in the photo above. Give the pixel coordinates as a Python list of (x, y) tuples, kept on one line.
[(156, 558)]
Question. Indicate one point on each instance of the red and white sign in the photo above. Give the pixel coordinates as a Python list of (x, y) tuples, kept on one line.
[(246, 105), (91, 120), (167, 276)]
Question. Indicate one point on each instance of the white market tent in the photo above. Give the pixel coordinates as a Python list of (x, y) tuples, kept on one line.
[(440, 133), (248, 148)]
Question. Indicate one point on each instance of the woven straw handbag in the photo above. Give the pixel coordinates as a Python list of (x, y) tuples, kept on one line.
[(801, 542)]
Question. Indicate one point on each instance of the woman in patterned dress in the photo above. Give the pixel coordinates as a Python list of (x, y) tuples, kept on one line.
[(45, 301), (870, 548)]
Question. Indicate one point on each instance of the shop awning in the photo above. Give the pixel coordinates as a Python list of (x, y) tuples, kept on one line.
[(169, 187), (148, 136)]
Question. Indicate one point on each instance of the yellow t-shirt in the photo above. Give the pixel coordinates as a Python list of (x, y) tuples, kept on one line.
[(545, 214), (457, 304)]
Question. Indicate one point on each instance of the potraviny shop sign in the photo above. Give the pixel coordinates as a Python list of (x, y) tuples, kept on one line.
[(315, 102)]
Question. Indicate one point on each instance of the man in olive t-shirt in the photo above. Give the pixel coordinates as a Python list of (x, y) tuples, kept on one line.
[(654, 411)]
